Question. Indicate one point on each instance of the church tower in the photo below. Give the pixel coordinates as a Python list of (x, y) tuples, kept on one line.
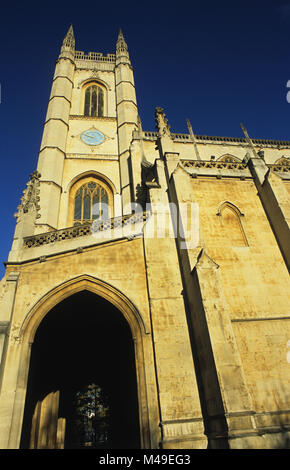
[(83, 176), (145, 302), (91, 114)]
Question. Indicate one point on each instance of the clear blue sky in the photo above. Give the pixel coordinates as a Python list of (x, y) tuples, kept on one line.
[(217, 63)]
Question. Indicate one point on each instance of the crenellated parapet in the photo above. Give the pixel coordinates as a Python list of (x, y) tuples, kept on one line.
[(95, 61)]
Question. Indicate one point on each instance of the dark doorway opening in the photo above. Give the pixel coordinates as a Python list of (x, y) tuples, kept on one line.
[(84, 349)]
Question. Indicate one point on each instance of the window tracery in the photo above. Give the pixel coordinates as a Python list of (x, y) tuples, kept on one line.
[(282, 165), (94, 101), (91, 201)]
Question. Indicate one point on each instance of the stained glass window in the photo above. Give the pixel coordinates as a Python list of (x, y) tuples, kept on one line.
[(91, 423)]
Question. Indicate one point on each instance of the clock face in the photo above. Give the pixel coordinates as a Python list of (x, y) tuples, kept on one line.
[(93, 137)]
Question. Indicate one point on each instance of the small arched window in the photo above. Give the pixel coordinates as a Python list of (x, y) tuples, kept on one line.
[(91, 202), (232, 224), (94, 101)]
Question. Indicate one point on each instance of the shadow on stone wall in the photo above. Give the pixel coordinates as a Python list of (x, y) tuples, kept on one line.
[(274, 420)]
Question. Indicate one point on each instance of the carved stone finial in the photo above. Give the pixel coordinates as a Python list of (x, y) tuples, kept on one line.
[(30, 198), (161, 122)]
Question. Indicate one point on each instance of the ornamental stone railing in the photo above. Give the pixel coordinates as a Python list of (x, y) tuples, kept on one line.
[(283, 167), (95, 56), (227, 168), (234, 140), (228, 165), (85, 229)]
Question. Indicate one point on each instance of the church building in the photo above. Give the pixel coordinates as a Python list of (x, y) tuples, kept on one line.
[(145, 303)]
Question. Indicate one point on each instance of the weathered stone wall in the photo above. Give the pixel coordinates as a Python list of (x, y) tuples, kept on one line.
[(254, 283)]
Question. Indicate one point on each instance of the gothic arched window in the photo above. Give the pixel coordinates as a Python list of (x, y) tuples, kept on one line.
[(232, 224), (91, 202), (94, 101)]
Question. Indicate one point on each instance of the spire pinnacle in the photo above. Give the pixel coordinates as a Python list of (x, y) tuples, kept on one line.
[(69, 40), (121, 46), (120, 34)]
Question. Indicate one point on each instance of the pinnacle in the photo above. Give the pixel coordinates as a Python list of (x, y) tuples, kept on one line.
[(121, 46), (70, 31), (121, 39), (69, 39), (120, 34)]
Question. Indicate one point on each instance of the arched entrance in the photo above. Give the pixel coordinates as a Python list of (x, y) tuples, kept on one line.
[(83, 356)]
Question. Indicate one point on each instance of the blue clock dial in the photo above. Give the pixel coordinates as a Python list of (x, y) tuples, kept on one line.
[(93, 137)]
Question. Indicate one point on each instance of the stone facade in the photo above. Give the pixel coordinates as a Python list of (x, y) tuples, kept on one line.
[(204, 290)]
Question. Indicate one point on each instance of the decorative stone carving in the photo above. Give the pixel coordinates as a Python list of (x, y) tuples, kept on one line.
[(229, 164), (30, 198), (162, 123), (282, 165)]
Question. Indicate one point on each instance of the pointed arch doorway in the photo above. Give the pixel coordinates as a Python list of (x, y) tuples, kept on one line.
[(82, 383)]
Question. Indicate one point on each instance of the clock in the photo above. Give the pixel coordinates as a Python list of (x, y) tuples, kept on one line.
[(92, 137)]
